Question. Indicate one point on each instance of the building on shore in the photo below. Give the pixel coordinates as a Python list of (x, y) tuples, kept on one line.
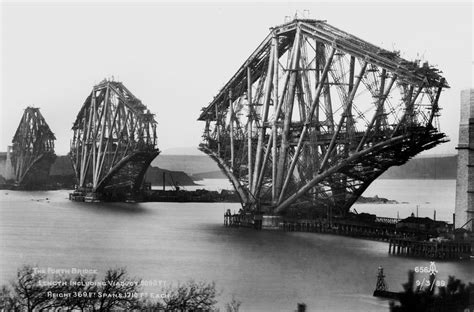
[(419, 225), (6, 169), (464, 212)]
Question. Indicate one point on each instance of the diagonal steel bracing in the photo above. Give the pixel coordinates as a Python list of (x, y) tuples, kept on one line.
[(114, 139), (315, 114), (33, 149)]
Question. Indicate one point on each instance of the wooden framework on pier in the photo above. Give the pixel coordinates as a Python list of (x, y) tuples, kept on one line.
[(433, 250), (315, 114), (32, 149), (114, 140)]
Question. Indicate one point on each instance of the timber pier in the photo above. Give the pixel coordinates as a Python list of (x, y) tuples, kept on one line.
[(430, 249), (401, 240), (381, 232)]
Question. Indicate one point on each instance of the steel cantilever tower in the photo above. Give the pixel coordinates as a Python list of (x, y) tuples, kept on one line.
[(32, 150), (114, 142), (315, 114)]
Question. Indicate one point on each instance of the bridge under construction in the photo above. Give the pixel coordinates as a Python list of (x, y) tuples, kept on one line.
[(113, 144), (315, 115), (32, 151)]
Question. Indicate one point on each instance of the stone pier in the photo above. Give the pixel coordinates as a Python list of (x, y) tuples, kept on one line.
[(465, 171)]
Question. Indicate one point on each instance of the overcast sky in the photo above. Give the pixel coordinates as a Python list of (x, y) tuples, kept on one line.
[(176, 57)]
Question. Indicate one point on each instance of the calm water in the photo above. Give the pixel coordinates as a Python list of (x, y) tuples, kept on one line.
[(428, 195), (172, 242)]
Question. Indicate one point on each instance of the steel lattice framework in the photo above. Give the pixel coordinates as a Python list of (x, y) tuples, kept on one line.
[(316, 114), (33, 149), (114, 140)]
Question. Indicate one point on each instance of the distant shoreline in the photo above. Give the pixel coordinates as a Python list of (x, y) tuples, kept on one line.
[(186, 170)]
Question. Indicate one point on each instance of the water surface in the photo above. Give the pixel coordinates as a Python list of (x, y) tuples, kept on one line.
[(173, 242)]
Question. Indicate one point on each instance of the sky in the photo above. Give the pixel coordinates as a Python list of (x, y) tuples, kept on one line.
[(176, 57)]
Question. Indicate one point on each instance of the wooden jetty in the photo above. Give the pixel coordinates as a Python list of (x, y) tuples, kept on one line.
[(401, 241), (380, 230), (457, 249)]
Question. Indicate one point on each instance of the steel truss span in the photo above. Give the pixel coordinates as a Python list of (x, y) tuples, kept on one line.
[(32, 149), (114, 141), (315, 115)]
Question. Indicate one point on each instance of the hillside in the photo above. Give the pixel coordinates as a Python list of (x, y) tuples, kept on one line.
[(185, 169), (429, 167), (62, 166), (425, 168), (155, 176), (191, 164), (62, 170), (209, 175)]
